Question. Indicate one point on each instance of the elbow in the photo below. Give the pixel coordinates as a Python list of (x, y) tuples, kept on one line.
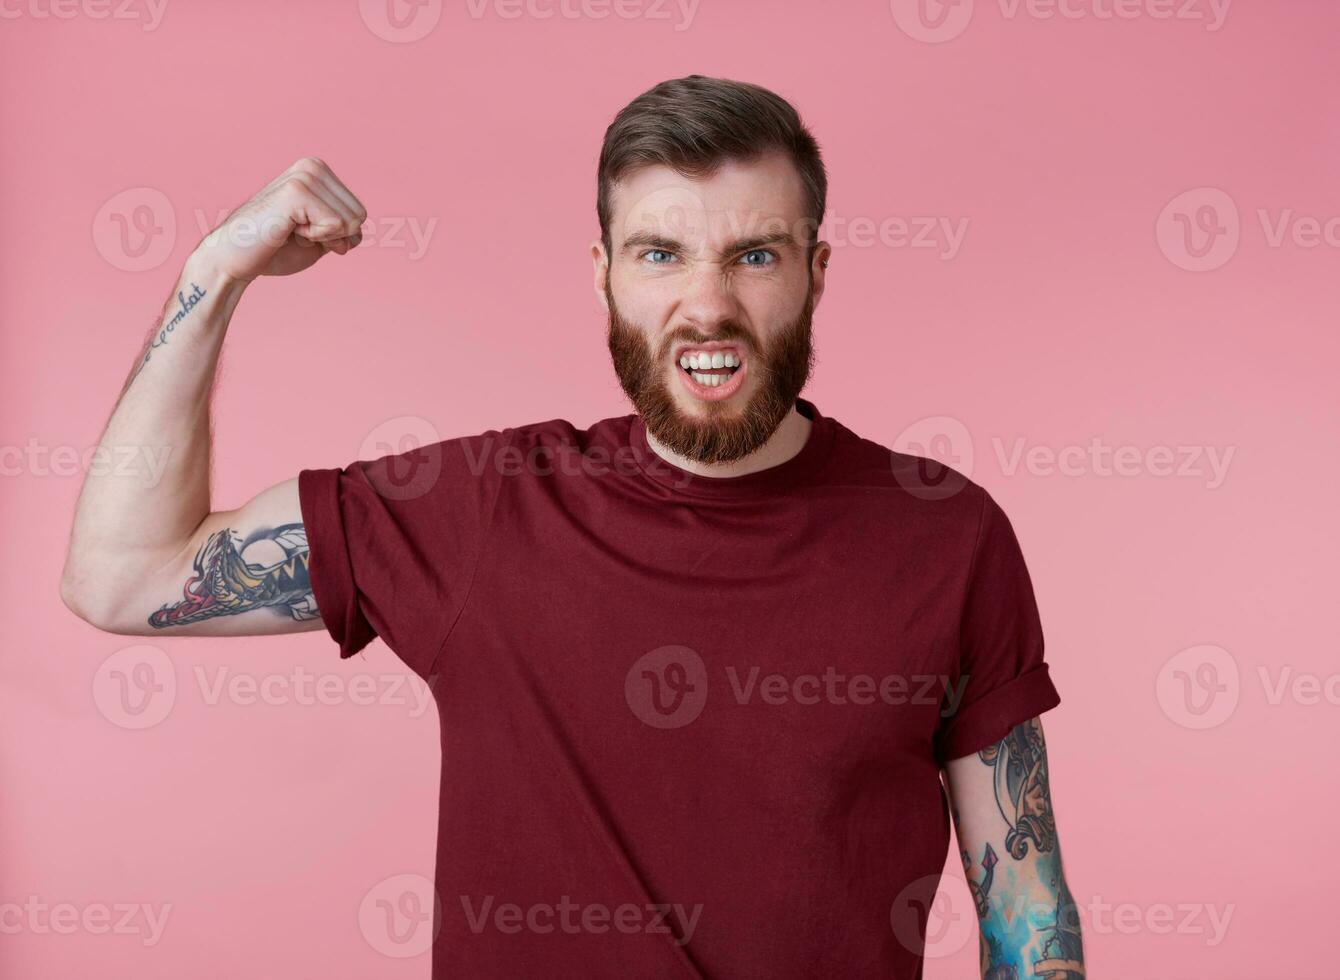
[(76, 600), (83, 597)]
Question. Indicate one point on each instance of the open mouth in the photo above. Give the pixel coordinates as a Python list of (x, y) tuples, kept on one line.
[(712, 371)]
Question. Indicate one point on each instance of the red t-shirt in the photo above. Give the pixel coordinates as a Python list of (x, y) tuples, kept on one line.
[(691, 726)]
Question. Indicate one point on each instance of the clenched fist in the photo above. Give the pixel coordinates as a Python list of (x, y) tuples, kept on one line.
[(298, 217)]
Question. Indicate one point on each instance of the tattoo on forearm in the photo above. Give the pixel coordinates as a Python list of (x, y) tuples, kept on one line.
[(981, 889), (268, 569), (1041, 939), (186, 303)]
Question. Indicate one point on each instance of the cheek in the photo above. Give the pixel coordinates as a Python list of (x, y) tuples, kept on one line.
[(648, 308)]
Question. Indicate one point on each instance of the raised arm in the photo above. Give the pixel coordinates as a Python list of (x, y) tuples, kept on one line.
[(146, 553), (1002, 807)]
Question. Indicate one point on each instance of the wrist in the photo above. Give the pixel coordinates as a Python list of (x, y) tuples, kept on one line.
[(202, 272)]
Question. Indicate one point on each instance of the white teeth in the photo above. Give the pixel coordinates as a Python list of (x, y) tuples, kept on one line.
[(706, 359), (708, 380)]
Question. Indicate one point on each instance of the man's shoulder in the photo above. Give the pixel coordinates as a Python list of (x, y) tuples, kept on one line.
[(916, 475), (531, 444), (613, 429), (912, 495)]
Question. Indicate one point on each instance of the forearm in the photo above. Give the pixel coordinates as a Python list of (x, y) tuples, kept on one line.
[(142, 512), (1012, 858), (1027, 918)]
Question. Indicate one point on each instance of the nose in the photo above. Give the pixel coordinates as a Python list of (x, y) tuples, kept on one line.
[(708, 301)]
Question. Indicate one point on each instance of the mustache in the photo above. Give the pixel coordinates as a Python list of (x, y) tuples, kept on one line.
[(729, 331)]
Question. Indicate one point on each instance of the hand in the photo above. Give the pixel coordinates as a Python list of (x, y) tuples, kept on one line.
[(298, 217)]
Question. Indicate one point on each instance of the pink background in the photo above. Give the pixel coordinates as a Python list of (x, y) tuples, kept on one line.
[(1071, 312)]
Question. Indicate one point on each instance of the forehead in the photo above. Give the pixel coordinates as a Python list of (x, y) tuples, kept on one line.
[(741, 199)]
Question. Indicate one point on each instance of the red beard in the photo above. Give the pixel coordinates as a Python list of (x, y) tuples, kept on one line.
[(724, 434)]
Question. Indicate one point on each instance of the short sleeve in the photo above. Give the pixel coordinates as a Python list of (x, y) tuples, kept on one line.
[(393, 542), (1002, 679)]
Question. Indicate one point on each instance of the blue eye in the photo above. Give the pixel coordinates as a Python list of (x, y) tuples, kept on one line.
[(759, 251), (657, 251)]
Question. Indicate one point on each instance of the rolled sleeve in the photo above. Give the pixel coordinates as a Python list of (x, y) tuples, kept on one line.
[(989, 719)]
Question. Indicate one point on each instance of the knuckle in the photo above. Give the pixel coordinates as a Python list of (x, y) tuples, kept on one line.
[(295, 185)]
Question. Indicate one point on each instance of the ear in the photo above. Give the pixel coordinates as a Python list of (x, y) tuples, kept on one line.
[(601, 268), (819, 269)]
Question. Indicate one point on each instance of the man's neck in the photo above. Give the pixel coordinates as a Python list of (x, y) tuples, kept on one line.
[(789, 439)]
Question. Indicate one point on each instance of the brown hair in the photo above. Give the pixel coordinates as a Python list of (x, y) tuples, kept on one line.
[(695, 124)]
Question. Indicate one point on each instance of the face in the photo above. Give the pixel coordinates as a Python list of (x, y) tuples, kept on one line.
[(710, 297)]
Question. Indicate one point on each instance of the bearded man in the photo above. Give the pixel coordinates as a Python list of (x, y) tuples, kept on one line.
[(712, 675)]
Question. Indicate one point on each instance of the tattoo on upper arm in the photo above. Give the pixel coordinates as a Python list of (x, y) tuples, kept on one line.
[(1043, 938), (267, 569)]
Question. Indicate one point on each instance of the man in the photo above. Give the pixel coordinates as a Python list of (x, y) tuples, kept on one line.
[(699, 668)]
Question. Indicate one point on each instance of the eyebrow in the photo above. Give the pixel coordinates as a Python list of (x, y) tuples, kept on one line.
[(647, 239)]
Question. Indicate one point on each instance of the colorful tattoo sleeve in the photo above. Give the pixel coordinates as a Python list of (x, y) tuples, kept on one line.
[(1028, 920)]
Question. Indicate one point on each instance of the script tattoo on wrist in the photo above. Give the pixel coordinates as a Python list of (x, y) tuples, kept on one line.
[(232, 575), (186, 302)]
